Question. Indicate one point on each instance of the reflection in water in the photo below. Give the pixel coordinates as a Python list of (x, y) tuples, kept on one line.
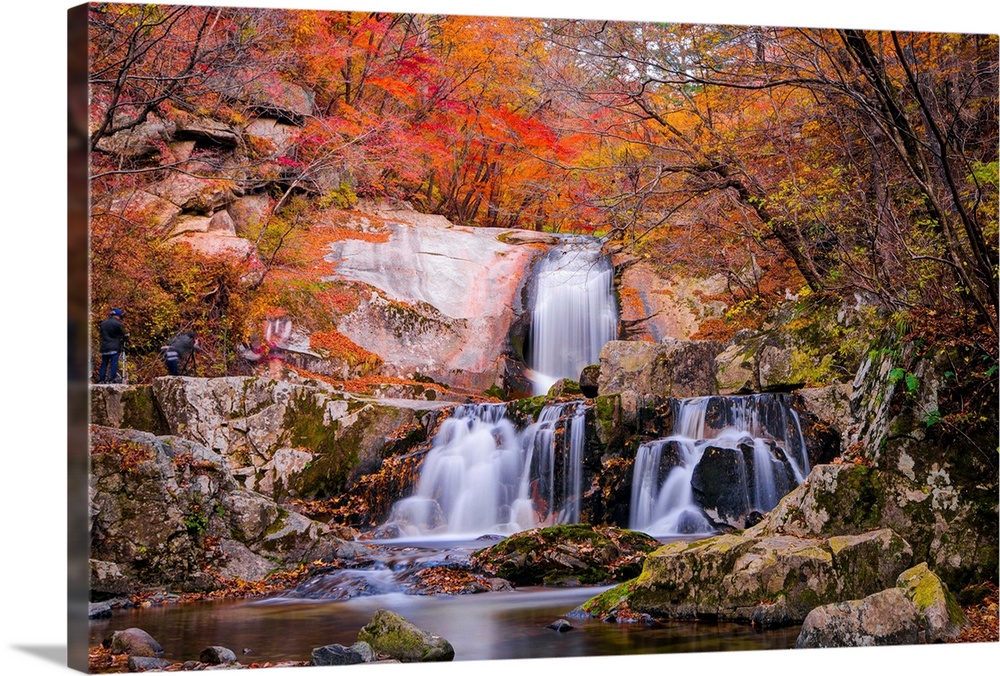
[(499, 625)]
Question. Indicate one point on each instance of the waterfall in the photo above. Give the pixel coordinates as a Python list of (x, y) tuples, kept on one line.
[(574, 312), (482, 475), (761, 432)]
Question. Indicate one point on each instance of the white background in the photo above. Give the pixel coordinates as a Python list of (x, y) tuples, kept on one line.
[(32, 368)]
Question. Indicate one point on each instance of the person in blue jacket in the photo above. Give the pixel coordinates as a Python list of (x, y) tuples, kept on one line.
[(113, 339)]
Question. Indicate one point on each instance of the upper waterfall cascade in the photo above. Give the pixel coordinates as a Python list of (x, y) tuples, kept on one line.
[(574, 312)]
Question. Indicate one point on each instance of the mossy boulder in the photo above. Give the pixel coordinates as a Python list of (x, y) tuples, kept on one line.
[(567, 555), (392, 636), (608, 420), (565, 387), (769, 581), (133, 642), (938, 520), (919, 609)]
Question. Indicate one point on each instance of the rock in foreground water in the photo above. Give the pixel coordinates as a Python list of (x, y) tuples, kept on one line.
[(392, 636), (133, 642)]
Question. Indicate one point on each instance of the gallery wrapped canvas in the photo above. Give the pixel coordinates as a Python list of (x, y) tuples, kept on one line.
[(427, 337)]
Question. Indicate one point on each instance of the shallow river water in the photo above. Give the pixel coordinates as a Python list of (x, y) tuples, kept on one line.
[(495, 625)]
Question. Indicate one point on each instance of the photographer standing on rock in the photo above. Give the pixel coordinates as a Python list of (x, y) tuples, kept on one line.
[(113, 339)]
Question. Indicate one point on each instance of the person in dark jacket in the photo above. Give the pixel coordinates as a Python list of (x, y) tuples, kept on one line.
[(113, 339), (178, 350)]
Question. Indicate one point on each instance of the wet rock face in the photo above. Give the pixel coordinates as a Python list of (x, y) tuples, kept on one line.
[(721, 487)]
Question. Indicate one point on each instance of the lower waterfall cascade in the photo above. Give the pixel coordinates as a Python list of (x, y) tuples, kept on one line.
[(762, 436), (484, 476)]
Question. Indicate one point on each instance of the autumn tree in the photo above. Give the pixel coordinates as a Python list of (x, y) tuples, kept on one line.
[(864, 158)]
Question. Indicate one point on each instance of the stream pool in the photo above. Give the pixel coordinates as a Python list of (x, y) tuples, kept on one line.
[(495, 625)]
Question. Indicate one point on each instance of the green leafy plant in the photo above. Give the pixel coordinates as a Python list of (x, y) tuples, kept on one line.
[(899, 374), (932, 418), (196, 523)]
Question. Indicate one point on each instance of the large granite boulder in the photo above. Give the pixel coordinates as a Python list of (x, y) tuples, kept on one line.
[(655, 306), (642, 371), (140, 141), (919, 609), (940, 524), (287, 438), (196, 191), (266, 95)]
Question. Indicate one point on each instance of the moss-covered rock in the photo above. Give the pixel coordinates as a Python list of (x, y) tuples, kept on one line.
[(570, 554), (942, 617), (919, 609), (608, 419), (129, 406), (949, 533), (769, 580), (392, 636), (565, 387)]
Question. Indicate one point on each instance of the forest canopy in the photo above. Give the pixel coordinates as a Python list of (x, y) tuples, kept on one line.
[(860, 164)]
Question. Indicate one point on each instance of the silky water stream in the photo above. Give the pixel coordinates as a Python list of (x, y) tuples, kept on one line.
[(762, 435)]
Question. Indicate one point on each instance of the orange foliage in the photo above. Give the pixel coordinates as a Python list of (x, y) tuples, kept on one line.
[(130, 454), (632, 305), (339, 346), (341, 301)]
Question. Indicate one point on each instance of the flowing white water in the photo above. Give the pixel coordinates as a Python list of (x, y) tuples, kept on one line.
[(482, 475), (574, 313), (760, 423), (669, 508)]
